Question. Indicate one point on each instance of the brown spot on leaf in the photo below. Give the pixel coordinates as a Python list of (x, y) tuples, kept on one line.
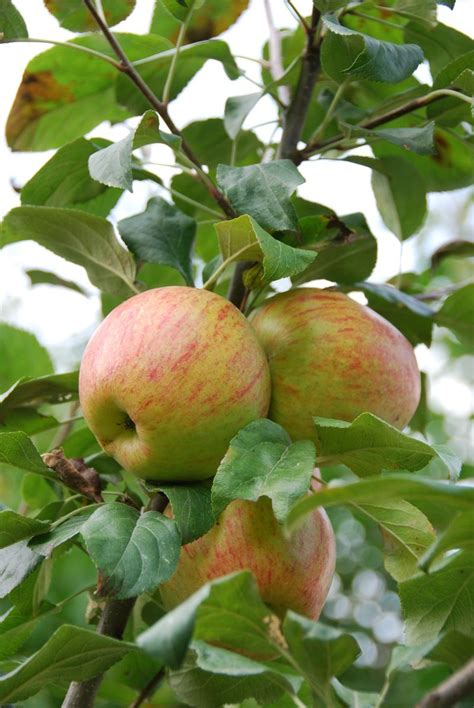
[(38, 93), (443, 149), (214, 18)]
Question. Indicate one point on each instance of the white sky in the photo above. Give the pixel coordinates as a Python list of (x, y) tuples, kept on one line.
[(57, 315)]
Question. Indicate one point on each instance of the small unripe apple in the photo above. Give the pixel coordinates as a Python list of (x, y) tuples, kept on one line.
[(169, 377), (330, 356), (292, 573)]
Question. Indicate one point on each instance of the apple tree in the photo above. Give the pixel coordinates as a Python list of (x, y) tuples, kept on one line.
[(88, 538)]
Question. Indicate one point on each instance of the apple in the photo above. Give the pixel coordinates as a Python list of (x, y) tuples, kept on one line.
[(291, 573), (329, 356), (169, 377)]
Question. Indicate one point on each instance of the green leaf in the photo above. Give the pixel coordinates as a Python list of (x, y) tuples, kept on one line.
[(180, 9), (440, 44), (215, 146), (57, 388), (12, 24), (70, 654), (81, 238), (27, 420), (161, 234), (192, 58), (329, 5), (15, 527), (21, 354), (227, 611), (16, 626), (459, 534), (399, 191), (74, 16), (263, 191), (236, 111), (451, 167), (64, 181), (262, 461), (54, 104), (457, 313), (369, 446), (242, 239), (36, 492), (209, 19), (113, 164), (411, 316), (45, 543), (16, 563), (17, 450), (457, 74), (439, 601), (383, 488), (355, 699), (134, 553), (419, 140), (335, 651), (406, 534), (44, 277), (347, 250), (453, 648), (347, 52), (452, 249), (192, 509)]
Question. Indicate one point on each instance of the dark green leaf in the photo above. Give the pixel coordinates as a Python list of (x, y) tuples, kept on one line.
[(27, 420), (134, 553), (57, 388), (236, 111), (15, 527), (192, 57), (384, 487), (74, 16), (399, 191), (45, 543), (36, 492), (347, 250), (192, 509), (227, 611), (369, 446), (242, 239), (178, 8), (457, 313), (459, 534), (412, 317), (452, 249), (81, 238), (262, 461), (263, 191), (347, 52), (16, 625), (16, 563), (161, 234), (17, 450), (335, 651), (21, 354), (12, 24), (43, 277), (64, 181), (453, 648), (457, 74), (113, 164), (215, 146), (439, 601), (419, 140), (440, 44), (70, 654)]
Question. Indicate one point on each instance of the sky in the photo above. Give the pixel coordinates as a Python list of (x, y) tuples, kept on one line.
[(60, 317)]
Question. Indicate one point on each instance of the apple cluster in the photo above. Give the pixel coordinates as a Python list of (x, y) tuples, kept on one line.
[(171, 376)]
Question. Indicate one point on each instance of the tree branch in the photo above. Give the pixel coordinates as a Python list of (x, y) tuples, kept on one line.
[(276, 61), (149, 689), (127, 68), (298, 108), (409, 107), (114, 618), (459, 685)]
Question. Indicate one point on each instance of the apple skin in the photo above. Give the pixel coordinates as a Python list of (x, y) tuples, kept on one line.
[(168, 378), (329, 356), (293, 573)]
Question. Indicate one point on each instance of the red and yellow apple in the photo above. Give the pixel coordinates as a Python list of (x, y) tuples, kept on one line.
[(169, 377), (291, 573), (330, 356)]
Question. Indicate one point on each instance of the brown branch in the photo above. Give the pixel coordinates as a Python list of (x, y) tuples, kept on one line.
[(149, 689), (237, 289), (298, 108), (459, 685), (409, 107), (114, 618), (129, 70)]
